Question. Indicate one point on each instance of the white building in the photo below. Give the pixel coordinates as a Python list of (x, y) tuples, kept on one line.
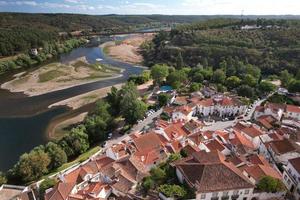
[(221, 106), (291, 177), (275, 110)]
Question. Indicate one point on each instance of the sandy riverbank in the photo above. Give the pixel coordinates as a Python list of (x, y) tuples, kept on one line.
[(58, 76), (127, 50)]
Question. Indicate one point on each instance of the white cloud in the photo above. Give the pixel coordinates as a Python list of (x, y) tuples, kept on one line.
[(28, 3)]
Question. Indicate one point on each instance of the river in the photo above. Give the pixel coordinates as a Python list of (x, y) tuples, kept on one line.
[(24, 120)]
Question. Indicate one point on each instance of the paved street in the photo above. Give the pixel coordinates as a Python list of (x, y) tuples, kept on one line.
[(145, 122)]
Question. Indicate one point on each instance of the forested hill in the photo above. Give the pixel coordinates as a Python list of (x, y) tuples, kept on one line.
[(271, 45)]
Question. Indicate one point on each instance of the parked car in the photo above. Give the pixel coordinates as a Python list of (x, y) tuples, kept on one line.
[(109, 136)]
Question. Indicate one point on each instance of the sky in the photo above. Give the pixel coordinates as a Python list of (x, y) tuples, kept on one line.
[(167, 7)]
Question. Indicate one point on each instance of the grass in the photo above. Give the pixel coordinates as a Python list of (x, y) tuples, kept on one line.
[(79, 159), (50, 75), (106, 50)]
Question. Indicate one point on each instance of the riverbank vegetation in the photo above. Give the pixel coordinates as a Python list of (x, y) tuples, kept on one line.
[(124, 104), (48, 49), (232, 58)]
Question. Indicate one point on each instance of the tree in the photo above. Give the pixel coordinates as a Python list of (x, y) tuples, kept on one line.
[(266, 87), (132, 109), (245, 91), (3, 179), (163, 99), (177, 78), (294, 86), (219, 76), (158, 175), (270, 184), (285, 78), (56, 154), (233, 82), (114, 100), (76, 142), (249, 80), (32, 166), (172, 190), (159, 73), (179, 61), (148, 183), (195, 87)]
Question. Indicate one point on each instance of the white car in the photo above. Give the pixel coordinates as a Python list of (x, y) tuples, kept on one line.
[(109, 136)]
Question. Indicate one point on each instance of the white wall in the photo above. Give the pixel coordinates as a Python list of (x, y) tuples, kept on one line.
[(241, 192)]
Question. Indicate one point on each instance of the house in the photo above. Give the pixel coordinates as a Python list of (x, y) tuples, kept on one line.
[(251, 132), (291, 177), (273, 109), (117, 151), (14, 192), (149, 149), (220, 105), (280, 151), (256, 172), (216, 145), (266, 121), (293, 112), (212, 177), (240, 144), (60, 191)]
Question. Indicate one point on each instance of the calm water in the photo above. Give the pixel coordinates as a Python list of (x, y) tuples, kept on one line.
[(23, 120)]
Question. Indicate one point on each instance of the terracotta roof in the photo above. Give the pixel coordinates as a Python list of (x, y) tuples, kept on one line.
[(147, 142), (275, 106), (292, 108), (182, 100), (252, 131), (185, 109), (259, 108), (206, 102), (190, 149), (266, 121), (175, 130), (197, 138), (241, 143), (208, 172), (256, 159), (296, 164), (282, 146), (259, 171), (59, 192), (215, 145), (123, 184)]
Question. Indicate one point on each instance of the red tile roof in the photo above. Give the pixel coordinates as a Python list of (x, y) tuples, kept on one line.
[(282, 146), (60, 192), (292, 108), (215, 145), (252, 131), (208, 172), (259, 171)]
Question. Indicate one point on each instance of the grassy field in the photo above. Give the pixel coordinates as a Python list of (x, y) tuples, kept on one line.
[(50, 75)]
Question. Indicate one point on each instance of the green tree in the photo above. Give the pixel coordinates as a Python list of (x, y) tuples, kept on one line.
[(177, 78), (294, 86), (219, 76), (195, 87), (3, 179), (270, 184), (266, 87), (250, 80), (148, 183), (163, 99), (132, 109), (233, 82), (246, 91), (56, 154), (285, 78), (96, 128), (32, 166), (172, 190), (179, 61), (114, 100), (159, 73), (76, 142), (158, 175)]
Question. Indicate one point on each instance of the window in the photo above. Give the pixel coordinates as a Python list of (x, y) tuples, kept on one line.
[(285, 177), (236, 192), (215, 194), (247, 191), (225, 193), (203, 196)]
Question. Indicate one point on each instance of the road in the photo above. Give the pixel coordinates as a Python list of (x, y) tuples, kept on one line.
[(147, 121)]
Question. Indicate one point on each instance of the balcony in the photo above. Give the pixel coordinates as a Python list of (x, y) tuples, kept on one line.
[(235, 196)]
